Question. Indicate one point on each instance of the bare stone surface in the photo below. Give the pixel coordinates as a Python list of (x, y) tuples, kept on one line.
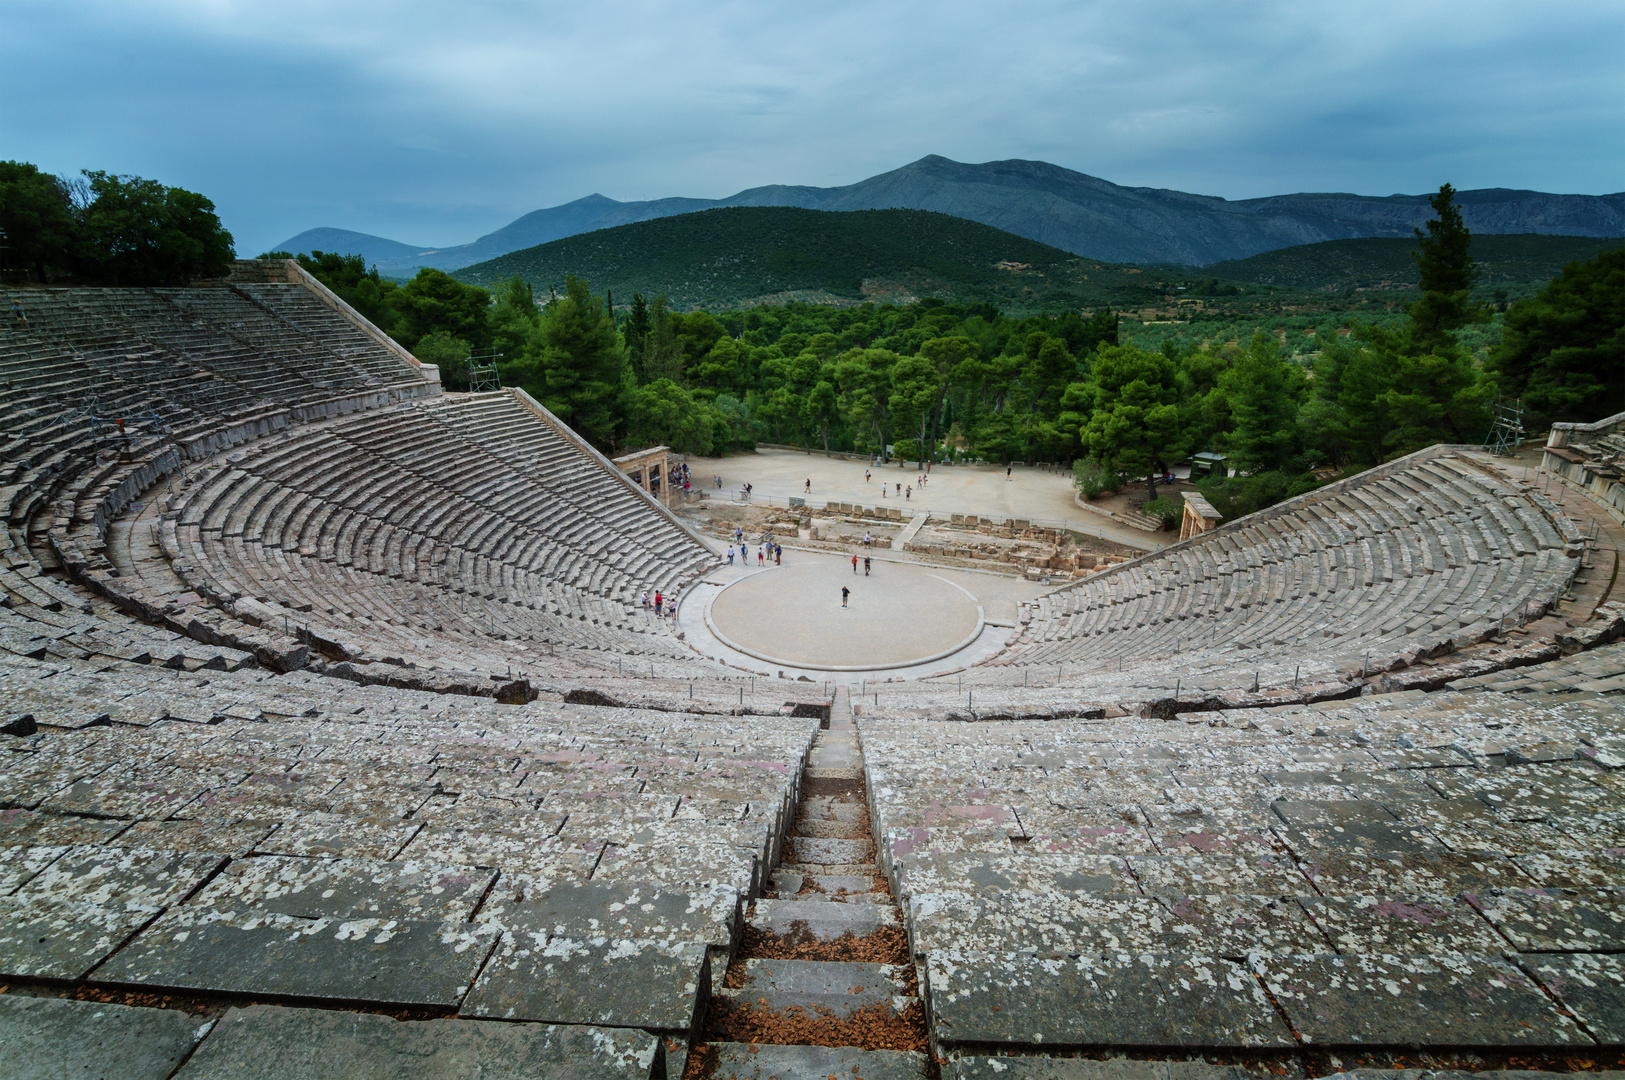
[(1414, 1001), (48, 1038), (749, 1061), (1103, 999), (609, 983), (266, 1042), (1591, 986)]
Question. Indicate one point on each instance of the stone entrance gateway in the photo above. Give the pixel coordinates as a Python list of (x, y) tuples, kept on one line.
[(648, 469)]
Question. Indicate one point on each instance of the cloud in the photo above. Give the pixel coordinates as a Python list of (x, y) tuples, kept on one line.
[(433, 123)]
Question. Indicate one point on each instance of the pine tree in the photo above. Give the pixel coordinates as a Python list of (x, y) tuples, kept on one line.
[(582, 364), (1443, 255)]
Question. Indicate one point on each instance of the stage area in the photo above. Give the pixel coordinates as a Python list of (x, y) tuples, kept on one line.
[(900, 614)]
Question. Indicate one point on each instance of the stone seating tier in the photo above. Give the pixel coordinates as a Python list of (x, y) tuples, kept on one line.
[(300, 836), (1432, 870), (1432, 553), (395, 532)]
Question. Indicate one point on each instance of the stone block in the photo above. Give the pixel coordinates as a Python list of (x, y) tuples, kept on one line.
[(818, 986), (754, 1061), (611, 983), (1415, 1001), (1557, 920), (267, 1042), (620, 910), (1402, 927), (1118, 999), (1590, 986), (820, 918), (379, 960), (49, 1038), (976, 1067)]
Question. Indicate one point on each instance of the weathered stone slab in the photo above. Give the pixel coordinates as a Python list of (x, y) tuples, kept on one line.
[(382, 960), (817, 986), (265, 1042), (613, 983), (338, 835), (1414, 1001), (1402, 927), (1042, 1068), (1590, 986), (25, 827), (49, 1038), (760, 1061), (1557, 920), (1204, 875), (983, 873), (608, 909), (135, 879), (1113, 999), (61, 939), (1357, 874), (820, 918), (809, 849)]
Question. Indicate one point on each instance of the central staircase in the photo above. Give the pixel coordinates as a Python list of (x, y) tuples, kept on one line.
[(823, 984)]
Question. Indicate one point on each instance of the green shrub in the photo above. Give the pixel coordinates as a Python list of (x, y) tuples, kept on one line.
[(1091, 478), (1168, 511)]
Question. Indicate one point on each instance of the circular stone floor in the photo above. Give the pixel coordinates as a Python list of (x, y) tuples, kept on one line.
[(900, 614)]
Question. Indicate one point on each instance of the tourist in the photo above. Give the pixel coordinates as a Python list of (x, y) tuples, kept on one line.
[(868, 540), (778, 554), (909, 494), (865, 476), (761, 557), (854, 563), (845, 592), (719, 481), (658, 601), (808, 488), (1007, 470), (899, 489), (19, 318), (866, 566), (646, 595)]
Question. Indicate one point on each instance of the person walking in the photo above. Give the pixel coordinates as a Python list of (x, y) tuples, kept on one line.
[(719, 481), (1007, 471), (909, 494), (761, 558), (865, 476), (730, 555), (659, 600), (778, 554), (854, 564), (845, 592), (19, 317), (866, 566), (808, 488)]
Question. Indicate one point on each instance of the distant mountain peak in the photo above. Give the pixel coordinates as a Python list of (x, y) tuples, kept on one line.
[(1083, 214)]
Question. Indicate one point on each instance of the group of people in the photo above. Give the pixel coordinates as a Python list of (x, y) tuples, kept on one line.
[(765, 553), (663, 605), (866, 565)]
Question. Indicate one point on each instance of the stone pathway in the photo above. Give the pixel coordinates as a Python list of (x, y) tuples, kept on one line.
[(822, 984)]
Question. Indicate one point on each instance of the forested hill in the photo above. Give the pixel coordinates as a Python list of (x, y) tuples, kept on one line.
[(1382, 262), (737, 256)]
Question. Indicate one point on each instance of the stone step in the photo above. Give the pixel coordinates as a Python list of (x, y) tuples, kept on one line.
[(827, 851), (842, 773), (825, 808), (834, 755), (830, 830), (824, 920), (859, 869), (817, 985), (789, 883), (752, 1061)]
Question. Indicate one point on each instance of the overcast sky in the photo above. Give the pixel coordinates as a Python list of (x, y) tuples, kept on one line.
[(433, 123)]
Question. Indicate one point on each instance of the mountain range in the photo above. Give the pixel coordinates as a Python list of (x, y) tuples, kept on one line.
[(1069, 210)]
